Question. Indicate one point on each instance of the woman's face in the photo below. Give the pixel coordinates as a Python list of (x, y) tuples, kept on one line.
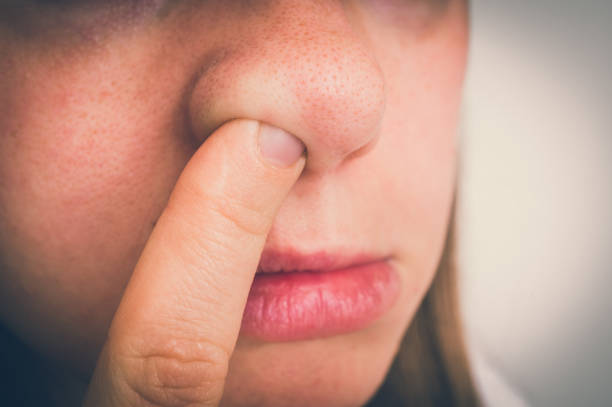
[(103, 103)]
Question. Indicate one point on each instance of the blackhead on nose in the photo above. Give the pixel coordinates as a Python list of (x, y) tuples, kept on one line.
[(299, 66)]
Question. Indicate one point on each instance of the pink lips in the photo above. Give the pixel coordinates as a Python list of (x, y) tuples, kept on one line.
[(298, 297)]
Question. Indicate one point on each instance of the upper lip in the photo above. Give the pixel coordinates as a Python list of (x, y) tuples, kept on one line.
[(293, 260)]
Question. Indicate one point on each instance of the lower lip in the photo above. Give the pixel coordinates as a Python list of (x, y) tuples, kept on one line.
[(291, 306)]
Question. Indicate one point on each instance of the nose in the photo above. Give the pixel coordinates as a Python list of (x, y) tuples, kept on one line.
[(299, 66)]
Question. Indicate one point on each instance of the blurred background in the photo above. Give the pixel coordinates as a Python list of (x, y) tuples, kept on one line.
[(535, 205)]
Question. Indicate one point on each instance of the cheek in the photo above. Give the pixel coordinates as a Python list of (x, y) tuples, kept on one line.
[(75, 158), (418, 147), (73, 162), (81, 184)]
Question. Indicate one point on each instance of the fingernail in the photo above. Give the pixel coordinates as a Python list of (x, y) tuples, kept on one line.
[(279, 147)]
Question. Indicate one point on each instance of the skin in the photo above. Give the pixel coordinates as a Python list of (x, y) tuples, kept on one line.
[(103, 107)]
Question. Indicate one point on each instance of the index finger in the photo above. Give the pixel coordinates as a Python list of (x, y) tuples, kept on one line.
[(178, 322)]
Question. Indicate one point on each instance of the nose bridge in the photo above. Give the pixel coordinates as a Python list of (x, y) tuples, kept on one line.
[(305, 70)]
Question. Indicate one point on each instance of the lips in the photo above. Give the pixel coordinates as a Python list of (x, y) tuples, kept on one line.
[(296, 296)]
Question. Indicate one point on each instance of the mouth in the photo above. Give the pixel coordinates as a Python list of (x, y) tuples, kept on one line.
[(296, 296)]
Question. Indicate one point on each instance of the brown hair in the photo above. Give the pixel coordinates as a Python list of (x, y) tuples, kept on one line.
[(431, 367)]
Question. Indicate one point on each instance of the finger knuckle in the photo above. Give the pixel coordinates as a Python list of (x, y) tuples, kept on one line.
[(174, 373), (242, 213), (243, 216)]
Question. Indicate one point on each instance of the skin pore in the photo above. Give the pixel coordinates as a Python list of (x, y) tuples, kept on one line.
[(103, 104)]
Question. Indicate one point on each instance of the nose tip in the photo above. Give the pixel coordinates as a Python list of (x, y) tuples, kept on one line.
[(341, 99), (309, 75)]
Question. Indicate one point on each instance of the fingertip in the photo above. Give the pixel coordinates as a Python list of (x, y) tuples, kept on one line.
[(279, 147)]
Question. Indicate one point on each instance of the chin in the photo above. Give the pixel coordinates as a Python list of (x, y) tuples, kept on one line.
[(339, 371)]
